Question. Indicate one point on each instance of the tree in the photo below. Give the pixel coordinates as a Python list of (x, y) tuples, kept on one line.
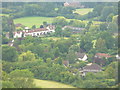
[(34, 26), (107, 10), (113, 27), (109, 17), (112, 71), (5, 40), (49, 62), (77, 23), (60, 21), (22, 78), (103, 26), (58, 60), (100, 45), (58, 31), (44, 23), (88, 25), (26, 56), (71, 56), (7, 84), (9, 53), (41, 26), (86, 43), (109, 40), (57, 52), (115, 19)]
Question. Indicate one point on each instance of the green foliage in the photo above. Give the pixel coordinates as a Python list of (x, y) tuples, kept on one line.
[(71, 56), (113, 27), (107, 10), (22, 78), (58, 31), (108, 39), (7, 84), (26, 56), (8, 25), (86, 43), (109, 17), (60, 21), (5, 40), (34, 27), (101, 45), (111, 70), (77, 23), (9, 53), (103, 26)]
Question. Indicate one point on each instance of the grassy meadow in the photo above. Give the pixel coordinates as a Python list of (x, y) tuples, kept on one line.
[(83, 11), (30, 21), (50, 84), (4, 14)]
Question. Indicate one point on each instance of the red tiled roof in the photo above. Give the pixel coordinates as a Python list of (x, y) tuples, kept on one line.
[(37, 30), (31, 31), (103, 55)]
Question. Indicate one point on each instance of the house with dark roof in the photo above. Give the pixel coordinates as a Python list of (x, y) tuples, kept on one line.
[(99, 61), (81, 56), (73, 29), (91, 67)]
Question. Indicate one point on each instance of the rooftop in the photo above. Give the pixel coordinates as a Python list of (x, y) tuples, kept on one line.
[(103, 55), (92, 66)]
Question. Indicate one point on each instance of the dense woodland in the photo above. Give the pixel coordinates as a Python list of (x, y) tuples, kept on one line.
[(41, 58)]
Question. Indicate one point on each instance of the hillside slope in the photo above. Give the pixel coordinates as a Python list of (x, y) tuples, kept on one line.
[(50, 84)]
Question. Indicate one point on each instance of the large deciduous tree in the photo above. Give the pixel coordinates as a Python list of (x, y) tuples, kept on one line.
[(9, 53), (26, 56), (22, 78)]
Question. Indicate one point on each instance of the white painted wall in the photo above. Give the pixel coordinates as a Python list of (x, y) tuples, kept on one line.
[(83, 59)]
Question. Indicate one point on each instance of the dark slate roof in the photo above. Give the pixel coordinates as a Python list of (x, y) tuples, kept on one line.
[(92, 67), (99, 60)]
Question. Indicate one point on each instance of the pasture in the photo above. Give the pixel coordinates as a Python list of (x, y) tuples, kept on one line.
[(30, 21), (83, 11), (50, 84)]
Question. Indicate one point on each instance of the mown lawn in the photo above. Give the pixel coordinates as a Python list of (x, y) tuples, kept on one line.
[(50, 84), (30, 21), (83, 11)]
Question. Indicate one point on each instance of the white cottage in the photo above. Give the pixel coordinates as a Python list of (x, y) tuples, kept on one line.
[(81, 56)]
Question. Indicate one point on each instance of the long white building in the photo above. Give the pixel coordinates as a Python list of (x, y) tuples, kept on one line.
[(35, 32)]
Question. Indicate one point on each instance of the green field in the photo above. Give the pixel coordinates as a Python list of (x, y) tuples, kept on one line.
[(30, 21), (83, 11), (4, 14), (50, 84)]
